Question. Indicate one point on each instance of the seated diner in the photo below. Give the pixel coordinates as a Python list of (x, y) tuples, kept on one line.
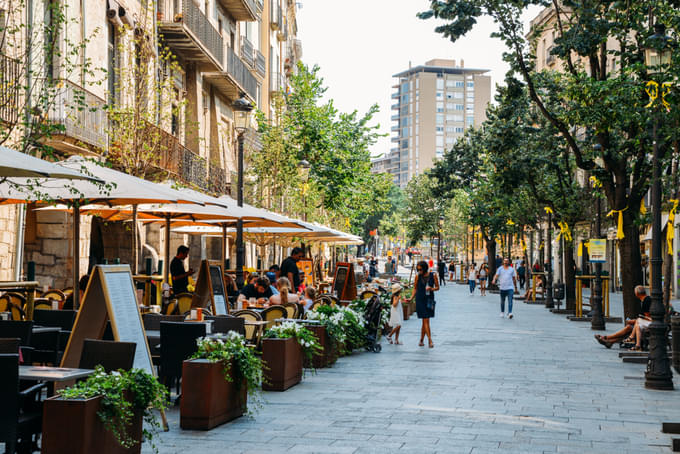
[(258, 289), (284, 295)]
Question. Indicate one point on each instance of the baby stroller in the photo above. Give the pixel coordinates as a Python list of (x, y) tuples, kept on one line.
[(374, 330)]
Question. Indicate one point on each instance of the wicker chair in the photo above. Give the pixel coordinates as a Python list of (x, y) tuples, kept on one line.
[(292, 310), (184, 302), (55, 294), (111, 355), (367, 294), (273, 313), (42, 304), (315, 304), (14, 303), (251, 331)]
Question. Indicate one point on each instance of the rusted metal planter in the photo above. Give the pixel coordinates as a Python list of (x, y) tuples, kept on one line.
[(282, 359)]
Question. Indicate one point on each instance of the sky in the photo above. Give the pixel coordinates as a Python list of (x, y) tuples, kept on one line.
[(360, 44)]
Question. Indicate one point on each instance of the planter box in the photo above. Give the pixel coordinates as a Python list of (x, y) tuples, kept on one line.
[(328, 355), (73, 426), (282, 359), (209, 400)]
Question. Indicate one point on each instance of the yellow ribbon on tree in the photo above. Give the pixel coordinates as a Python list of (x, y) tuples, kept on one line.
[(565, 232), (509, 222), (643, 208), (524, 245), (347, 224), (549, 210), (596, 183), (652, 89), (670, 228), (619, 225)]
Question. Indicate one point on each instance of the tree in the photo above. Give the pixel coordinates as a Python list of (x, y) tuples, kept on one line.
[(423, 208), (593, 101)]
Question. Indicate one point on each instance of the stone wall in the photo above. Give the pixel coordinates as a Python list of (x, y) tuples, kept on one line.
[(8, 220)]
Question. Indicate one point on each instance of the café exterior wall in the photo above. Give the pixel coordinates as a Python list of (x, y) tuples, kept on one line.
[(7, 241)]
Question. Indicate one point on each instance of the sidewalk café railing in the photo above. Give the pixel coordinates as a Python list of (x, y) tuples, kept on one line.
[(579, 294)]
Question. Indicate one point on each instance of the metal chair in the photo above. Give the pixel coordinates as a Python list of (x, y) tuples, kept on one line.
[(178, 342), (273, 313), (20, 412), (111, 355), (14, 303), (153, 321), (54, 294), (226, 323), (21, 330), (62, 319)]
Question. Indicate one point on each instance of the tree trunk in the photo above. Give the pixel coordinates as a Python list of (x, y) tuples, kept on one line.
[(631, 268), (667, 271), (569, 276)]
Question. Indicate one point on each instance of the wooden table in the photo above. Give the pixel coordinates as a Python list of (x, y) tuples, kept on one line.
[(52, 375), (27, 287)]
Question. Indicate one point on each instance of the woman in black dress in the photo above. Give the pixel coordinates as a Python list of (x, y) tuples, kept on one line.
[(424, 285)]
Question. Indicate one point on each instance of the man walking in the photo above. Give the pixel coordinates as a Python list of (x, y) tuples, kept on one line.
[(507, 283), (180, 277)]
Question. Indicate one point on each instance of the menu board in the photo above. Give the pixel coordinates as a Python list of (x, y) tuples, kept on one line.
[(343, 282), (209, 291), (110, 296), (306, 267), (218, 293)]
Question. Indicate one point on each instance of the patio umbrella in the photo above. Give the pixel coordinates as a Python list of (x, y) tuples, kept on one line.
[(118, 189), (15, 164)]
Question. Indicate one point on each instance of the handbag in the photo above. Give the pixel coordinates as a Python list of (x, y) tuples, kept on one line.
[(430, 303)]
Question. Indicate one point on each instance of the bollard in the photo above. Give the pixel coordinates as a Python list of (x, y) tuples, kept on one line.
[(675, 342), (30, 271), (148, 262)]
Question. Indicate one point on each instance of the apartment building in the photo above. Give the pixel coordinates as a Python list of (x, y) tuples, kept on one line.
[(434, 104), (197, 57)]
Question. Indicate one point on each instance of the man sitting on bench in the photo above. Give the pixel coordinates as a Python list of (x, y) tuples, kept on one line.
[(631, 329)]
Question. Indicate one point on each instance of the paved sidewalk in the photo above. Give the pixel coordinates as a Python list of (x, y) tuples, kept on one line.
[(534, 384)]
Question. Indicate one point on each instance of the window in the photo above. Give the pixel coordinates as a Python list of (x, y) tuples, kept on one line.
[(459, 107), (450, 129), (458, 95), (404, 87), (440, 95), (440, 119), (404, 98), (439, 129), (450, 83), (440, 107), (440, 83), (450, 140), (404, 144), (417, 84), (459, 129), (470, 120), (460, 84), (470, 108), (449, 106), (404, 132), (404, 110), (470, 84), (440, 141)]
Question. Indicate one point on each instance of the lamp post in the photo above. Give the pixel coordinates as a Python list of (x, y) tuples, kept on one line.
[(658, 374), (439, 239), (597, 322), (549, 303), (242, 108)]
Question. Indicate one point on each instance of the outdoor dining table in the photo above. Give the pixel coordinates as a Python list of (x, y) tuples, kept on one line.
[(52, 375)]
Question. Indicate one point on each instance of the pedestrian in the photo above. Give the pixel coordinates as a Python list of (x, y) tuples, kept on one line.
[(507, 284), (499, 261), (373, 267), (396, 314), (483, 276), (394, 265), (441, 270), (472, 277), (452, 271), (430, 263), (180, 277), (426, 283), (521, 274), (537, 267)]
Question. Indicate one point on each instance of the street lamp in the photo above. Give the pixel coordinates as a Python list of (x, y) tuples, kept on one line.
[(304, 167), (439, 239), (242, 108), (597, 322), (658, 374), (549, 303)]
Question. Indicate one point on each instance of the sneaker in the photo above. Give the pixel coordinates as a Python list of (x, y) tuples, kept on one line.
[(510, 315), (502, 314)]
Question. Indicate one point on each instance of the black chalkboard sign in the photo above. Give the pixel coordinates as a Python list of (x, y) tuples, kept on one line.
[(217, 283), (343, 282), (341, 273)]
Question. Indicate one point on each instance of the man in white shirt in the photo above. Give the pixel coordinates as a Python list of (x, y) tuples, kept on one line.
[(507, 284)]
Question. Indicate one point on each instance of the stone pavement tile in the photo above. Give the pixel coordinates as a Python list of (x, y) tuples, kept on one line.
[(322, 449)]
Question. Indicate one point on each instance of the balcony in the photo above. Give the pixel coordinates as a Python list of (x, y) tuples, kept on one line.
[(236, 79), (394, 106), (10, 86), (394, 117), (277, 82), (247, 52), (260, 64), (396, 95), (217, 180), (395, 128), (189, 33), (82, 118), (275, 15), (242, 10)]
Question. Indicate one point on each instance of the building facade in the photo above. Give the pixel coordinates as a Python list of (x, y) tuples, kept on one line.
[(158, 76), (434, 104)]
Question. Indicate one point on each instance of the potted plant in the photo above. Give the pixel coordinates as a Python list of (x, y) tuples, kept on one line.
[(216, 381), (104, 413), (327, 355), (344, 324), (282, 349)]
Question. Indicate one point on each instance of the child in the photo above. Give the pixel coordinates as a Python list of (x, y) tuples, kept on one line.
[(310, 296), (396, 314)]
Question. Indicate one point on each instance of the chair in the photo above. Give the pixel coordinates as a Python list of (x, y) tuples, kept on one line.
[(273, 313), (14, 303), (42, 304), (21, 330), (111, 355), (20, 413), (46, 347), (184, 302), (251, 330), (67, 291), (54, 294), (63, 319), (367, 294), (153, 321), (226, 323), (178, 342), (292, 310), (315, 304), (170, 308)]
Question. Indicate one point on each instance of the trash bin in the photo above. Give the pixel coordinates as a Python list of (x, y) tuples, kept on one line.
[(675, 342), (558, 292)]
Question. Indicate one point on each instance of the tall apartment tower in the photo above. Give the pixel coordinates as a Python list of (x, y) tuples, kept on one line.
[(435, 103)]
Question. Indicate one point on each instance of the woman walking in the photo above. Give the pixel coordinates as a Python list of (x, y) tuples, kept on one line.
[(425, 285), (483, 273), (396, 314), (472, 278)]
